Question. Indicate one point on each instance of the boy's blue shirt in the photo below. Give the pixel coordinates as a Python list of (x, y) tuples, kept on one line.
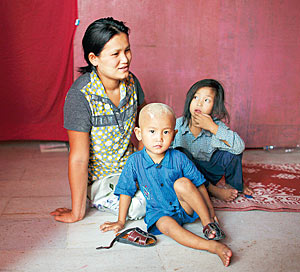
[(156, 181)]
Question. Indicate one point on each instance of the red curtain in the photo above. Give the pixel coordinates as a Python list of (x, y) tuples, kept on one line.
[(36, 53)]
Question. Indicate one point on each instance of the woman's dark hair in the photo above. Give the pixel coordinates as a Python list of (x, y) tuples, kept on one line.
[(219, 110), (97, 35)]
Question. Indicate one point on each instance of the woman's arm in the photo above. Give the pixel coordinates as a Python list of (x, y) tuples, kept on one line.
[(78, 177)]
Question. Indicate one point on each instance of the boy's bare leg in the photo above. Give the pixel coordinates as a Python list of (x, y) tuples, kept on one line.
[(191, 200), (205, 196), (168, 226)]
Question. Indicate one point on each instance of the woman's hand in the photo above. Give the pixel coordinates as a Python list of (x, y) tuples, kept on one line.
[(66, 215), (202, 120), (115, 226)]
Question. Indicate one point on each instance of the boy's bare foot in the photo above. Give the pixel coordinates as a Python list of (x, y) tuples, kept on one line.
[(247, 191), (225, 254), (222, 251), (226, 194)]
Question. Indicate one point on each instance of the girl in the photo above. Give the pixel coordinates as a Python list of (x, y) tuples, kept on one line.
[(99, 115), (208, 142)]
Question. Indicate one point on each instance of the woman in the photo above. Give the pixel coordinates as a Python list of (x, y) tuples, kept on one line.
[(99, 115)]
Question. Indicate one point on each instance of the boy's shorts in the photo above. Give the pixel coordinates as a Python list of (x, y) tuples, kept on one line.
[(101, 196), (181, 217)]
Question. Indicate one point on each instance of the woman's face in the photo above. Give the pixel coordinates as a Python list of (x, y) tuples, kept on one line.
[(114, 60)]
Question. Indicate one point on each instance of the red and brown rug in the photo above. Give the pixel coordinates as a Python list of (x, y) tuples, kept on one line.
[(276, 188)]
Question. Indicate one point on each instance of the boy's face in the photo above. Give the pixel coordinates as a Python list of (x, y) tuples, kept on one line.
[(157, 134)]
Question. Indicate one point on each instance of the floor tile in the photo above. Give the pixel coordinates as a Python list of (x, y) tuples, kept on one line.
[(88, 260), (34, 207), (3, 204), (32, 184), (35, 233)]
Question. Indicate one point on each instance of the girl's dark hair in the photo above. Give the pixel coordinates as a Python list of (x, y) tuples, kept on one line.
[(97, 35), (219, 110)]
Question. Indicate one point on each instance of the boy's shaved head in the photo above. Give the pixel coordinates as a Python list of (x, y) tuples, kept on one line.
[(156, 129), (156, 110)]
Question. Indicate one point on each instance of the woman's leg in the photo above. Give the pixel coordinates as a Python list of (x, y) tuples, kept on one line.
[(168, 226)]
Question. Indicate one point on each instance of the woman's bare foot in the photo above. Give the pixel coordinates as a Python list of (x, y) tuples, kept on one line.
[(226, 194), (222, 251), (247, 191)]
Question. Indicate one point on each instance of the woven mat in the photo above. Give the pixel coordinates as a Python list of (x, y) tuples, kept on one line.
[(276, 189)]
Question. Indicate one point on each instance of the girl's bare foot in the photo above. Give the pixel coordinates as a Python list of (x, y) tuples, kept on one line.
[(226, 194), (222, 251), (247, 191)]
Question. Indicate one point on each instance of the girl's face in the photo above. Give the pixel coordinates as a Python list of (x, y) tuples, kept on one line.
[(114, 60), (203, 101)]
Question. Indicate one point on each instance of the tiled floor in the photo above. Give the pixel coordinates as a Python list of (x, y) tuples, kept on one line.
[(33, 183)]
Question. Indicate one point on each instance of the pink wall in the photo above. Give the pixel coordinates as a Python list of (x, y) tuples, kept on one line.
[(252, 47)]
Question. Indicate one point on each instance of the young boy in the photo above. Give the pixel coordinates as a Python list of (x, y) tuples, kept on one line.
[(171, 184)]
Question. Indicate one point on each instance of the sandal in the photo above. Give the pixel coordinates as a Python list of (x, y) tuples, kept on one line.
[(209, 228), (134, 236)]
